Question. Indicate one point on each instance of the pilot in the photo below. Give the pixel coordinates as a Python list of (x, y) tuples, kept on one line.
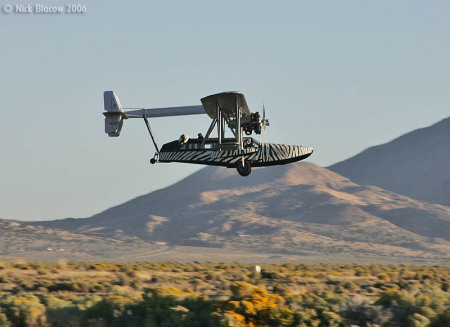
[(247, 143), (183, 139)]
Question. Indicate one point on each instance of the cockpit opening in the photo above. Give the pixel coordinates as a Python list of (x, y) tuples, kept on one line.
[(250, 142)]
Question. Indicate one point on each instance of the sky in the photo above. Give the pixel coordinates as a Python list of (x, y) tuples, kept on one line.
[(339, 76)]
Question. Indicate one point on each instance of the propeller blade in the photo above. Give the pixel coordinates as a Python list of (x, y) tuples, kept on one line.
[(264, 123), (264, 112)]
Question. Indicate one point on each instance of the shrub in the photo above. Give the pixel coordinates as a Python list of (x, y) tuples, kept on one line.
[(240, 289)]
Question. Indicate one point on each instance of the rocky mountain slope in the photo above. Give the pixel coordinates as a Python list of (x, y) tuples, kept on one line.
[(294, 209), (19, 240), (415, 164)]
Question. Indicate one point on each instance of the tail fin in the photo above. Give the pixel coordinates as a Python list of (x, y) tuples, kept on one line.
[(114, 114)]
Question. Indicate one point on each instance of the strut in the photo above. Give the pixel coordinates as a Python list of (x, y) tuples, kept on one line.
[(151, 134)]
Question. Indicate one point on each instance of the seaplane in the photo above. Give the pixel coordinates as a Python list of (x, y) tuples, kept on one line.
[(228, 111)]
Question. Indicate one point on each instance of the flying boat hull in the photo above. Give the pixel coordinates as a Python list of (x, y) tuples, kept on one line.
[(266, 155)]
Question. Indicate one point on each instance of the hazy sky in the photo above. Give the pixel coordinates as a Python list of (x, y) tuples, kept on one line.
[(336, 75)]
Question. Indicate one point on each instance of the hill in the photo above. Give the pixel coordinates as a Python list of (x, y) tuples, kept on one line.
[(297, 209), (415, 164), (21, 240)]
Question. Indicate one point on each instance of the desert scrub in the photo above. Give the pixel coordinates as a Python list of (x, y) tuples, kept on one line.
[(220, 294)]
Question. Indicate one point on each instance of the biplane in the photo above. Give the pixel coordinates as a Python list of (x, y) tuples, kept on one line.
[(226, 110)]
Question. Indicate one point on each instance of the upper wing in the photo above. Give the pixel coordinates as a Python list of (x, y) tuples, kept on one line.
[(227, 102)]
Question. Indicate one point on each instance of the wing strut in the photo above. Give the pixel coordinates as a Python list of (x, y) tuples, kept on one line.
[(211, 127), (151, 134)]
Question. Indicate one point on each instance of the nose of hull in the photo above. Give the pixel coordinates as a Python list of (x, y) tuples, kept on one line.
[(297, 152), (278, 154)]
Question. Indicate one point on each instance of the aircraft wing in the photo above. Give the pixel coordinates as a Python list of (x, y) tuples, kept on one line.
[(227, 102)]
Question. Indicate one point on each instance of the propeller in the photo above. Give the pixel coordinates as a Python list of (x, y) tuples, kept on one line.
[(265, 123)]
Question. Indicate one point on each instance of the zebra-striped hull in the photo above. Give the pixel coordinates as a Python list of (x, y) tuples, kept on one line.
[(266, 155)]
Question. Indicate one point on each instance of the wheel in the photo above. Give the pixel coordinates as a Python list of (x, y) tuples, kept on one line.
[(152, 161), (245, 169)]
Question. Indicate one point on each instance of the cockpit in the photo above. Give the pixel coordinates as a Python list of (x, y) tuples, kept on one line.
[(210, 144), (250, 142)]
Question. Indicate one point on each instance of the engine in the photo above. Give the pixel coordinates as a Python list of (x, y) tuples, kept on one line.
[(254, 125)]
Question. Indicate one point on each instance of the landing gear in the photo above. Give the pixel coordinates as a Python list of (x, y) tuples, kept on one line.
[(154, 159), (244, 168)]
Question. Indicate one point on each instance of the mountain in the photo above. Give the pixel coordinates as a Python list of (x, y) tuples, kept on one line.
[(22, 240), (415, 164), (297, 209)]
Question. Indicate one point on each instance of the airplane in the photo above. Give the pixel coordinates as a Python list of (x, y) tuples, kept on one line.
[(226, 109)]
